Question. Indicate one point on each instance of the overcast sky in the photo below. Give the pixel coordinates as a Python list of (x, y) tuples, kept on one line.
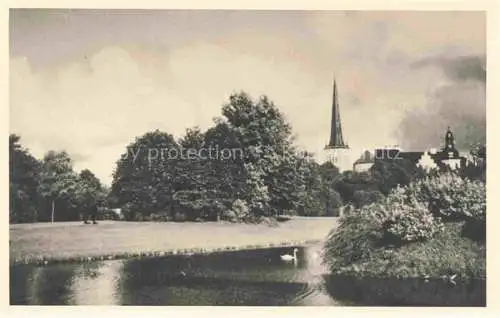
[(89, 82)]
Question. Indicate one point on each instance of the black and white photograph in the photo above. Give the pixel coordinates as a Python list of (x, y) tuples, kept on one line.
[(247, 157)]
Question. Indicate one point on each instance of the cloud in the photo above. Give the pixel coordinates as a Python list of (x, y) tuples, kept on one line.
[(458, 68), (460, 103), (171, 71)]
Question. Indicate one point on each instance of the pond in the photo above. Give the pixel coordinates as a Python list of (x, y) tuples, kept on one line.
[(248, 278)]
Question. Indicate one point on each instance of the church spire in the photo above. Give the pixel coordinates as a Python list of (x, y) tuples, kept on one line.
[(336, 137)]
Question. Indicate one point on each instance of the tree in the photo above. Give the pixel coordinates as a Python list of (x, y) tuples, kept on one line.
[(58, 181), (328, 172), (475, 168), (24, 177), (145, 176), (196, 185), (88, 191), (389, 174), (229, 175), (364, 197), (264, 138), (319, 197)]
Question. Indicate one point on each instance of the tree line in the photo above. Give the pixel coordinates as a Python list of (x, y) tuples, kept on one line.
[(49, 189), (269, 176)]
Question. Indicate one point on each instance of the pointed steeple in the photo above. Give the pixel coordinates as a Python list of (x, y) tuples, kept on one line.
[(336, 137)]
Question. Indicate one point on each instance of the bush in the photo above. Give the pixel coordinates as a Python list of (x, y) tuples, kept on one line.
[(356, 237), (393, 237), (229, 215), (451, 197), (410, 223), (362, 197), (240, 209)]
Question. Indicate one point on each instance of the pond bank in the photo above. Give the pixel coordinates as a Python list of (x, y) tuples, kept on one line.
[(75, 242), (392, 291)]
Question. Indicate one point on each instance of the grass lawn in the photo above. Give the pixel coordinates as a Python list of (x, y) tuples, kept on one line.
[(76, 241)]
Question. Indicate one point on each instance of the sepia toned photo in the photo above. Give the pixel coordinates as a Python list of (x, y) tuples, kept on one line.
[(247, 157)]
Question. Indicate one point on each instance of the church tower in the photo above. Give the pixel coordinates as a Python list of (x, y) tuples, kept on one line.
[(450, 156), (336, 148)]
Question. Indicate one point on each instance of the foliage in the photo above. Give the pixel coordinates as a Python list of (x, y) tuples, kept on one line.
[(448, 253), (89, 191), (264, 137), (390, 174), (58, 187), (404, 236), (229, 215), (264, 170), (240, 209), (350, 182), (410, 223), (356, 237), (365, 197), (49, 189), (24, 177), (145, 177), (451, 197), (319, 197)]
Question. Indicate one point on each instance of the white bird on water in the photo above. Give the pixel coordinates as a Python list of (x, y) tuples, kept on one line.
[(289, 258)]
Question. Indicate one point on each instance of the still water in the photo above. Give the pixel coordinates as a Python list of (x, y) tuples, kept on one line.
[(248, 278)]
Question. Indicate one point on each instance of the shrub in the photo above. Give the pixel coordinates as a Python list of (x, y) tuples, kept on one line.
[(393, 237), (362, 197), (410, 223), (229, 215), (356, 237), (240, 209), (451, 197)]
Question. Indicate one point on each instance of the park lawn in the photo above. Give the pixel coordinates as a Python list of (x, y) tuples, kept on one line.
[(117, 239)]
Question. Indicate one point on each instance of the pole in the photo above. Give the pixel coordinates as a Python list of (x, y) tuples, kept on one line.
[(52, 214)]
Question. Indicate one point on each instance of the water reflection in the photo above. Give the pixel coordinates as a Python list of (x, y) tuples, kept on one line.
[(250, 278), (237, 278), (96, 284), (31, 285)]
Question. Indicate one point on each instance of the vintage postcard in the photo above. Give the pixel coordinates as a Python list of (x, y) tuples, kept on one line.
[(237, 157)]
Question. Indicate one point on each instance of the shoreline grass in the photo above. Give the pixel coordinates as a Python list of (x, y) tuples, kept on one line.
[(45, 243)]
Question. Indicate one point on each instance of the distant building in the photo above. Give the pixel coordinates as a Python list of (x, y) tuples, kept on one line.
[(364, 163), (337, 150), (447, 158)]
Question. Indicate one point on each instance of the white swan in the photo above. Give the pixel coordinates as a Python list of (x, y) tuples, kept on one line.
[(288, 257)]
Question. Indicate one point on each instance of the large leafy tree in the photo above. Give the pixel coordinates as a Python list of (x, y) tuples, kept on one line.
[(272, 182), (145, 178), (319, 197), (229, 175), (195, 194), (24, 177), (88, 192), (58, 184)]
